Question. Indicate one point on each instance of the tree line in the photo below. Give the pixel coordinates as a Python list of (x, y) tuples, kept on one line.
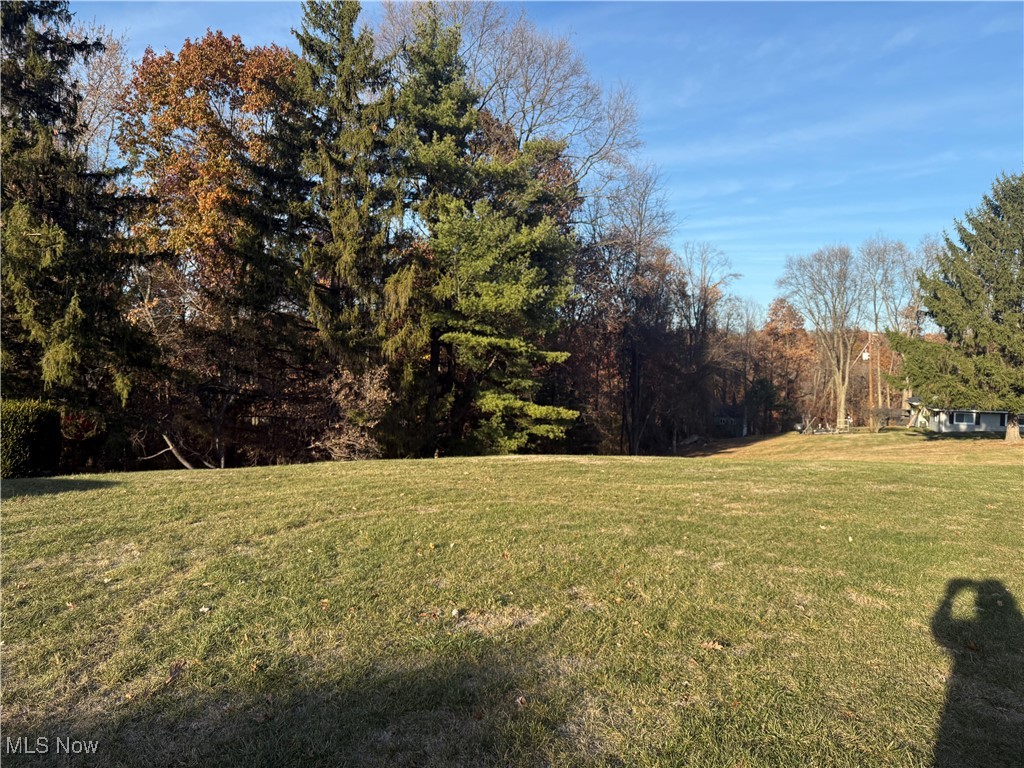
[(427, 239)]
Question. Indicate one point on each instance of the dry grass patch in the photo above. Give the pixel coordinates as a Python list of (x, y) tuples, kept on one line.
[(493, 623), (910, 446)]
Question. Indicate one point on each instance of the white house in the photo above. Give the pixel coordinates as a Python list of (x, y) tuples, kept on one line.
[(957, 420)]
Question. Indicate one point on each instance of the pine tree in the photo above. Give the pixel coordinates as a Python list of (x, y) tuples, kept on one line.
[(65, 257), (484, 268), (976, 295)]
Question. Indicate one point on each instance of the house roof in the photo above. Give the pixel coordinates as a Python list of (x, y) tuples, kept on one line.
[(937, 409)]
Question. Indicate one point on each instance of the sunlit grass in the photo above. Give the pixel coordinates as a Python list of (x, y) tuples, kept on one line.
[(710, 611)]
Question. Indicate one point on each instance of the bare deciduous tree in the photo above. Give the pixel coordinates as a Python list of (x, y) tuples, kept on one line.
[(828, 287), (535, 82), (641, 279), (708, 273), (540, 85), (883, 262), (894, 302), (102, 81), (923, 260), (479, 21), (358, 405)]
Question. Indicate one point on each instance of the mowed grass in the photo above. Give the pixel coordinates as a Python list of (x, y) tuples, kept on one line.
[(773, 606)]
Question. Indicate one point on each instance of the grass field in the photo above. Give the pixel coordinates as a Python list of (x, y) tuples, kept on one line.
[(781, 602)]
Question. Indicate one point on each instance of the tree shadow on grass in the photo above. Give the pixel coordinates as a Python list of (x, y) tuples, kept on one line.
[(46, 486), (969, 437), (725, 445), (478, 712), (983, 719)]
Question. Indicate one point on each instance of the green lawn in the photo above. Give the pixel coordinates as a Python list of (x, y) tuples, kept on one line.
[(710, 611)]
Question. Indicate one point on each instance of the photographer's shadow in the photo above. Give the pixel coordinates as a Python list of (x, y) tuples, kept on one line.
[(983, 719)]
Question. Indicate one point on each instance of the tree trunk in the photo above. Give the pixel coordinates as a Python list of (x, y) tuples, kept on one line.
[(624, 418), (220, 445), (177, 454), (878, 379), (635, 403), (1012, 428), (434, 392), (840, 404)]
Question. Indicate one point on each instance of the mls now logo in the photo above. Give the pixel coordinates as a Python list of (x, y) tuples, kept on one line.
[(22, 745)]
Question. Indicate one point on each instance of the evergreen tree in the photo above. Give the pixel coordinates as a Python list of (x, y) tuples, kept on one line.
[(435, 118), (484, 267), (347, 98), (65, 257), (502, 276), (976, 295)]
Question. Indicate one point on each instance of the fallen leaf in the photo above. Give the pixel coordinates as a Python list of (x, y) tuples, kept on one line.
[(521, 701), (175, 672)]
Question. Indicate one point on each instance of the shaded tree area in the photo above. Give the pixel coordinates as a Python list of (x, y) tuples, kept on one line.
[(66, 250), (428, 239)]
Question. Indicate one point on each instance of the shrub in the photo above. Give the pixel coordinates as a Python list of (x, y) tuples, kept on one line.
[(30, 439)]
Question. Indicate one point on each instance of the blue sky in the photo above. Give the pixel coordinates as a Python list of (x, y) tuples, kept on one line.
[(779, 128)]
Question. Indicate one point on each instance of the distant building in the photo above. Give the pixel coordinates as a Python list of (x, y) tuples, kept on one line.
[(730, 421), (957, 420)]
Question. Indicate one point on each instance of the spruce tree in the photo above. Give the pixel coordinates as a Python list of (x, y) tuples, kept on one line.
[(976, 296), (347, 98), (65, 257)]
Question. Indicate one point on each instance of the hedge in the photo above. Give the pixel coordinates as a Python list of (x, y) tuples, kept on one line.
[(30, 439)]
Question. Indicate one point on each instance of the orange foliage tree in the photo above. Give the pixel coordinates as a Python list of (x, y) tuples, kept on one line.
[(222, 299), (786, 357)]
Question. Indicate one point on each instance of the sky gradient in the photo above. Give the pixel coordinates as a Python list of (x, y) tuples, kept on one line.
[(779, 128)]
